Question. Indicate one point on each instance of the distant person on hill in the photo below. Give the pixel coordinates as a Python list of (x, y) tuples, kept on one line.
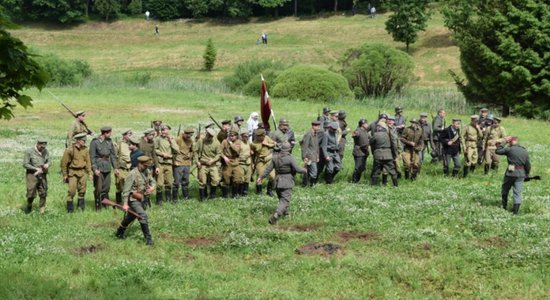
[(264, 38), (372, 12), (147, 13), (157, 32)]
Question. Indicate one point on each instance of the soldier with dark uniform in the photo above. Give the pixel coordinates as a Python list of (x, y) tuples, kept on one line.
[(137, 184), (400, 120), (78, 126), (413, 141), (398, 158), (361, 138), (103, 157), (518, 169), (470, 138), (451, 142), (36, 163), (426, 136), (165, 149), (344, 130), (208, 155), (483, 122), (325, 116), (182, 163), (245, 162), (384, 150), (283, 134), (310, 153), (321, 135), (285, 167), (372, 126), (135, 152), (494, 135), (237, 123), (224, 131), (76, 168), (231, 171), (147, 145), (124, 162), (262, 153), (330, 149), (438, 124)]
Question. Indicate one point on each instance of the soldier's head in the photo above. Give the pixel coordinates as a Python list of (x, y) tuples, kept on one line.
[(244, 135), (363, 123), (483, 112), (390, 121), (149, 135), (473, 120), (496, 121), (326, 111), (332, 127), (106, 131), (188, 133), (80, 115), (456, 123), (283, 124), (156, 125), (164, 130), (334, 115), (144, 162), (414, 123), (383, 116), (285, 147), (80, 139), (134, 143), (441, 113), (238, 120), (41, 144), (398, 110), (342, 115), (233, 134), (260, 135), (316, 125), (210, 133), (126, 134), (512, 140), (423, 118), (226, 125)]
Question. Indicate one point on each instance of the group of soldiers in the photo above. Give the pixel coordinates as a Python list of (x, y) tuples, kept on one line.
[(230, 158)]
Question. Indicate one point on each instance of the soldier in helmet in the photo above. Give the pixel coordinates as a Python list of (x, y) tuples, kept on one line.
[(103, 157), (182, 163), (122, 149), (37, 163), (360, 149), (494, 136), (384, 150), (344, 130), (237, 123), (208, 155), (76, 168), (325, 116), (283, 134), (470, 138), (330, 152), (413, 141)]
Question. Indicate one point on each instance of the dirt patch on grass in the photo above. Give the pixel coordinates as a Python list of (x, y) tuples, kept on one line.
[(426, 246), (363, 236), (198, 241), (301, 227), (89, 249), (323, 249)]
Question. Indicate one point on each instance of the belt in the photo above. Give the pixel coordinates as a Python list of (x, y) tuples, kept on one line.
[(519, 167)]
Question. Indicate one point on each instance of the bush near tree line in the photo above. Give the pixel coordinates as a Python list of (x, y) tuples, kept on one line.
[(246, 77), (64, 72)]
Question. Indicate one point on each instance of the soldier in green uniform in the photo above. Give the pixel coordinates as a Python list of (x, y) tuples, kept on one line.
[(494, 135), (471, 135), (518, 169), (245, 162), (384, 150), (344, 130), (361, 138), (36, 163), (413, 141), (399, 158), (483, 122), (124, 162), (182, 164), (231, 172), (78, 126), (330, 150), (310, 153), (103, 157), (438, 124), (147, 145), (285, 167), (137, 184), (208, 155), (165, 149), (262, 153), (76, 168), (426, 136)]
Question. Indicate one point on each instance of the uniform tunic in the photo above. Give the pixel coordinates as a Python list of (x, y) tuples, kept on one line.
[(330, 149), (360, 152), (411, 154), (32, 162), (136, 181), (124, 163), (262, 153), (450, 152), (231, 171), (208, 154), (310, 152), (76, 166), (103, 157), (519, 167), (245, 162), (384, 149), (470, 139), (182, 162), (279, 137), (165, 145), (494, 135)]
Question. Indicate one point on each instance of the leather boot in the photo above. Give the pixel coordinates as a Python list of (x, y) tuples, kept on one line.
[(234, 190), (225, 192), (486, 169), (446, 172), (374, 181), (159, 198), (70, 207), (406, 174), (81, 203), (384, 179), (28, 209), (472, 168), (146, 202), (258, 189), (394, 181), (273, 219), (118, 198), (465, 171), (212, 192), (202, 194), (175, 191), (168, 194), (504, 202), (120, 232), (455, 173), (270, 189), (328, 178), (305, 182), (185, 192), (244, 191), (147, 234), (312, 181), (413, 176), (515, 209)]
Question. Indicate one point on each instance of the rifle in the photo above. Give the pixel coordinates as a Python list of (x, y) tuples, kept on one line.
[(536, 177), (198, 136), (215, 122), (116, 205), (88, 131), (273, 118), (179, 130)]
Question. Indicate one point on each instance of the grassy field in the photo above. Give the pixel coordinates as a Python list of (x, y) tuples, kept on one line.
[(435, 238)]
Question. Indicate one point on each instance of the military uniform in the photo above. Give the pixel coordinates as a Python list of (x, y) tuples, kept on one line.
[(103, 157), (426, 137), (285, 167), (76, 168), (310, 154), (413, 140), (360, 153), (77, 127), (280, 137), (384, 150), (438, 125), (231, 172), (138, 182), (262, 153), (36, 163), (484, 123), (471, 135), (182, 164), (124, 164), (148, 148), (518, 169), (451, 152), (165, 148), (208, 155), (330, 150), (245, 163), (494, 135), (343, 130)]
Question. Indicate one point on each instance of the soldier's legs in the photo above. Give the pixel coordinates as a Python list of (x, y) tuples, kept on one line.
[(496, 160), (507, 184), (446, 159), (160, 186), (397, 163), (214, 176), (312, 173), (185, 182), (488, 159), (178, 181), (105, 185), (416, 164), (42, 193), (81, 188), (456, 164), (329, 170), (376, 170), (407, 157), (119, 184), (32, 185), (389, 165), (168, 181)]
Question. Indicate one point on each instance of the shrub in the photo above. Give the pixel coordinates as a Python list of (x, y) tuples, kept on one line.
[(311, 83), (64, 72), (377, 70), (246, 78), (209, 56)]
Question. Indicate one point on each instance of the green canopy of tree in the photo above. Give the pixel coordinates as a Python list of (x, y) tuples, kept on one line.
[(408, 18), (107, 8)]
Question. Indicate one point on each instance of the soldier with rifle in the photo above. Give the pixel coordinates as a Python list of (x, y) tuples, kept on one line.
[(438, 124), (470, 138), (245, 163), (413, 141), (36, 163), (208, 155), (137, 184), (494, 136), (76, 168), (451, 141), (78, 126), (103, 157), (361, 138), (262, 153), (165, 149), (310, 153), (483, 122), (231, 171), (224, 130), (384, 150), (147, 145), (122, 148)]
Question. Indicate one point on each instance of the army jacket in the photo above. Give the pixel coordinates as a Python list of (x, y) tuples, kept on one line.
[(137, 181), (361, 142), (438, 124), (285, 167), (148, 149), (414, 135), (279, 137), (184, 155), (245, 155), (263, 151), (76, 161), (231, 150), (447, 135), (208, 149), (383, 143), (330, 144), (518, 160), (76, 128), (471, 135), (123, 155), (103, 155), (165, 145), (426, 132), (310, 146), (494, 135), (33, 159)]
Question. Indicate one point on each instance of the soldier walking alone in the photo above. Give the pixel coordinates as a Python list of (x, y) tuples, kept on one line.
[(518, 169)]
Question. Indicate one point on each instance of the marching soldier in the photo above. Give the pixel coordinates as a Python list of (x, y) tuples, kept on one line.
[(208, 154), (78, 126), (360, 149), (413, 140), (471, 135), (137, 184), (124, 162), (344, 130), (245, 162), (450, 140), (165, 148), (325, 116), (147, 145), (285, 167), (384, 150), (330, 152), (224, 131), (76, 168), (231, 172), (310, 153), (438, 124), (182, 164), (37, 162), (518, 169), (262, 153), (283, 134), (426, 136), (494, 135), (103, 157)]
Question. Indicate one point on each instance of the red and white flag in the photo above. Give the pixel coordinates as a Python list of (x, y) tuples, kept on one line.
[(265, 105)]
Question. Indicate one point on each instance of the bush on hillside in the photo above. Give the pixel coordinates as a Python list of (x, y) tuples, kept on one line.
[(311, 83), (377, 70), (209, 55), (64, 72), (246, 78), (253, 87)]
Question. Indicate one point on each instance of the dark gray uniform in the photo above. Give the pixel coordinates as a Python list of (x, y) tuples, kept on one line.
[(427, 138), (450, 152), (330, 148), (519, 167), (360, 152), (310, 155), (384, 149), (103, 157), (438, 124)]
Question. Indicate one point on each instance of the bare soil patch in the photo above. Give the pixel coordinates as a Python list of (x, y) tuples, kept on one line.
[(363, 236), (89, 249), (323, 249)]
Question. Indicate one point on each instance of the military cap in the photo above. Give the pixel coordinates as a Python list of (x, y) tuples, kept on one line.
[(165, 126), (285, 146), (233, 132), (474, 117), (106, 129), (148, 131), (209, 125), (244, 131), (383, 116), (326, 110), (156, 121), (333, 125), (362, 121), (210, 131), (316, 123), (391, 118), (342, 114), (144, 159), (41, 141), (423, 114), (326, 124), (260, 132), (484, 109), (80, 113), (189, 130), (398, 109), (238, 118), (414, 121), (224, 122), (80, 136), (334, 112), (497, 119), (126, 131), (134, 140), (457, 120), (283, 121)]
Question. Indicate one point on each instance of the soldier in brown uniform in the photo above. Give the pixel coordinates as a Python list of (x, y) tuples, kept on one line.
[(494, 136), (231, 172), (208, 155), (182, 164), (310, 153), (360, 149), (156, 126), (413, 141), (76, 168), (262, 153), (224, 131), (165, 149), (471, 135), (245, 162), (103, 157), (37, 162), (147, 145), (124, 162), (78, 126), (483, 123)]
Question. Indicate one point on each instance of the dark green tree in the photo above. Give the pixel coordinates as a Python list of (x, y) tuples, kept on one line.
[(164, 9), (18, 71), (107, 8), (408, 18), (62, 11), (209, 55), (505, 56)]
